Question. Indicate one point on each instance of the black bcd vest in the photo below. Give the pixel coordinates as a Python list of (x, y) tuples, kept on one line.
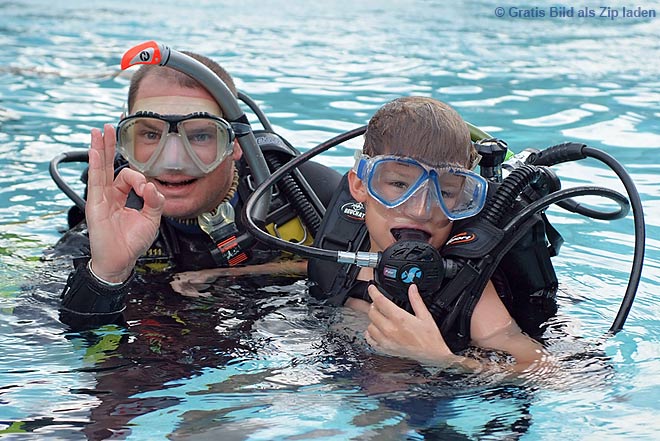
[(524, 278)]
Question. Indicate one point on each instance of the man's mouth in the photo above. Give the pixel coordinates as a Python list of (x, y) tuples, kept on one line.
[(410, 234), (176, 184)]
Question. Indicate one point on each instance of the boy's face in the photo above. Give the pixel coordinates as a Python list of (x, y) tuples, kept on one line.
[(418, 213)]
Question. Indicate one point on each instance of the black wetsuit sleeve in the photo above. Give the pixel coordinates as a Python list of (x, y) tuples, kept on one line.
[(89, 303), (323, 180)]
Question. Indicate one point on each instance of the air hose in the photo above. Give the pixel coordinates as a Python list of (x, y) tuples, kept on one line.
[(73, 156), (506, 194), (291, 247), (294, 195), (571, 151)]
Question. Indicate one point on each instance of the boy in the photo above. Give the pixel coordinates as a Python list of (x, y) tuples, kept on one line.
[(414, 174)]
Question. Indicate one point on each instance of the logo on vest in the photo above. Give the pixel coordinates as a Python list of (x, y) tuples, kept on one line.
[(267, 138), (460, 238), (353, 211)]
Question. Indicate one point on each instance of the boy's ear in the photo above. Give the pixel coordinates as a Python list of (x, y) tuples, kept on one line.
[(357, 187)]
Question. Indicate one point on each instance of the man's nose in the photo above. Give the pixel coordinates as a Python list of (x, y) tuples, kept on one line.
[(173, 152)]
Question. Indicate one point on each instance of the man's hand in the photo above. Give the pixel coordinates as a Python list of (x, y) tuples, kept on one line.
[(117, 235)]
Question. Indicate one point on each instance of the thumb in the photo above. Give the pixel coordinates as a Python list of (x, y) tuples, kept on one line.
[(418, 305)]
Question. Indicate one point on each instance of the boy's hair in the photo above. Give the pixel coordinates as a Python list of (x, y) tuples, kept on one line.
[(180, 78), (421, 128)]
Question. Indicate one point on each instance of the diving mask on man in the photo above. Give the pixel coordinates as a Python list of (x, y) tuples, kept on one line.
[(158, 139), (395, 180)]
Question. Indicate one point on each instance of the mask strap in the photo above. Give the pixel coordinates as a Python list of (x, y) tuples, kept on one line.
[(360, 164)]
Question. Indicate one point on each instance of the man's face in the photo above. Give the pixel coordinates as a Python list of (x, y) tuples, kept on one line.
[(186, 196), (418, 213)]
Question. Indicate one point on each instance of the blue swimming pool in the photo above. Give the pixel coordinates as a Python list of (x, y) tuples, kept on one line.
[(256, 361)]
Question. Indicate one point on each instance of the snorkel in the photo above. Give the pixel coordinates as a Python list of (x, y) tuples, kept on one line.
[(230, 247), (151, 52)]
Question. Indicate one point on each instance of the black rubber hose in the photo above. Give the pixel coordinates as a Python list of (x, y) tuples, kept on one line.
[(508, 191), (640, 234), (294, 195), (568, 151), (73, 156), (276, 242), (572, 151), (558, 196), (575, 207)]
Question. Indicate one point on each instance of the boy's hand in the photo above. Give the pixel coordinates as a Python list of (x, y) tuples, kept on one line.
[(394, 331)]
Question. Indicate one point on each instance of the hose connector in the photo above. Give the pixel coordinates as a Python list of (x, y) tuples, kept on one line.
[(361, 258)]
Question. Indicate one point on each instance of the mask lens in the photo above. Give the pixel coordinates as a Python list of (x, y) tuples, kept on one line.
[(204, 142), (463, 192), (139, 138), (208, 138), (393, 181)]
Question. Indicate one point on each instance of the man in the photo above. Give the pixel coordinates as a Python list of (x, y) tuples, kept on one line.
[(185, 168)]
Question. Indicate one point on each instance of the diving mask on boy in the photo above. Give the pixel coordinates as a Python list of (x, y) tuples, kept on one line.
[(394, 180)]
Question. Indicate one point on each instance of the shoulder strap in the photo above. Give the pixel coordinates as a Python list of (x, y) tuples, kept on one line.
[(342, 229), (521, 264)]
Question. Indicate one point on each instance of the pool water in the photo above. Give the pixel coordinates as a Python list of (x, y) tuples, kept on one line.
[(258, 359)]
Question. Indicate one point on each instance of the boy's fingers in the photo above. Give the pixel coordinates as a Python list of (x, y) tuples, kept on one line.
[(417, 303), (384, 305), (373, 335)]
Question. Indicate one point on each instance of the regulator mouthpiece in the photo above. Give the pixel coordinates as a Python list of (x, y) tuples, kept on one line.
[(410, 234)]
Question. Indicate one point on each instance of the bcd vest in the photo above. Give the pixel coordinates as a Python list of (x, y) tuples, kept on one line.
[(524, 278)]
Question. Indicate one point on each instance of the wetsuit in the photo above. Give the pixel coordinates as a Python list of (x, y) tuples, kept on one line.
[(180, 246)]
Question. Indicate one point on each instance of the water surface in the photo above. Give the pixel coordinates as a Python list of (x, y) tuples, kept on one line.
[(260, 363)]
